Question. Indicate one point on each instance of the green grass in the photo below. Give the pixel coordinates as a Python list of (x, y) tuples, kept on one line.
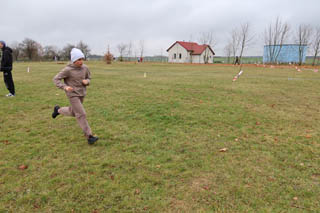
[(160, 138)]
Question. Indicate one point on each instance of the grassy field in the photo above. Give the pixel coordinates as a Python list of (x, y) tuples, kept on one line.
[(184, 139)]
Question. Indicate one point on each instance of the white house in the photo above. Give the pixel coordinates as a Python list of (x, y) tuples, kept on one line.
[(190, 52)]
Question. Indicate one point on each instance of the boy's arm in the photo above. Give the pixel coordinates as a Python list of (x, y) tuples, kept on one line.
[(57, 79), (86, 81)]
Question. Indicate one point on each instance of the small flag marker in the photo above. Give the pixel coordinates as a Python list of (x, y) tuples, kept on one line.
[(237, 76)]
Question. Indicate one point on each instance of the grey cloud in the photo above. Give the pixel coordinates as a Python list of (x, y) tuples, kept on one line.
[(158, 22)]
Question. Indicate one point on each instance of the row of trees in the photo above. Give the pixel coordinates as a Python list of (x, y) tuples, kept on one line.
[(241, 38), (276, 35), (31, 50), (130, 50)]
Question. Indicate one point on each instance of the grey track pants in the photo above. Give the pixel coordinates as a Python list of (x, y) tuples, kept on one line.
[(76, 110)]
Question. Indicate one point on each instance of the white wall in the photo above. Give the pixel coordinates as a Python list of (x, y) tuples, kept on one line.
[(209, 54), (178, 49), (196, 59)]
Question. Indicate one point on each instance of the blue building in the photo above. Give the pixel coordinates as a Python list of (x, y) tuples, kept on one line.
[(289, 53)]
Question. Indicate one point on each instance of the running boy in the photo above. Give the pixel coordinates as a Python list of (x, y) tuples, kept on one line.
[(76, 77)]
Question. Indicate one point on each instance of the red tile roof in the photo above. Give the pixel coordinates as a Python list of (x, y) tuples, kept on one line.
[(193, 47)]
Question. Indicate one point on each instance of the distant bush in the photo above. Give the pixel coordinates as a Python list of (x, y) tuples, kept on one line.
[(108, 57)]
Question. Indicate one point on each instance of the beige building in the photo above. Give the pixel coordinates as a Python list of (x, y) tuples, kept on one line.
[(190, 52)]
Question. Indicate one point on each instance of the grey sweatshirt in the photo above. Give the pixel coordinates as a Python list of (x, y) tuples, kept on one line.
[(72, 77)]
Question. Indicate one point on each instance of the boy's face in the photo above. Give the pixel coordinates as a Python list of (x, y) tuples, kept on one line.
[(1, 45), (78, 62)]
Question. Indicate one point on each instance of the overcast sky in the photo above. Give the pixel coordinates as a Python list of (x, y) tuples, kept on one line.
[(159, 23)]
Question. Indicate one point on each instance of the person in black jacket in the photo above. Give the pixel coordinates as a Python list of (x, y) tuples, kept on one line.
[(237, 61), (6, 67)]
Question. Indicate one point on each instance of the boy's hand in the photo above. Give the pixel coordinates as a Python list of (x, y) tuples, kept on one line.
[(68, 89), (85, 82)]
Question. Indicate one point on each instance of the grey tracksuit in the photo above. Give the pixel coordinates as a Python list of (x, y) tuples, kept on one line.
[(72, 77)]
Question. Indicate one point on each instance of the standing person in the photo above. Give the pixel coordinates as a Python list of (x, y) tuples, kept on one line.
[(76, 77), (6, 67), (237, 61)]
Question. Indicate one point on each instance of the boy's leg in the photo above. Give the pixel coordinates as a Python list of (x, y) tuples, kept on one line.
[(78, 111), (8, 80), (66, 111)]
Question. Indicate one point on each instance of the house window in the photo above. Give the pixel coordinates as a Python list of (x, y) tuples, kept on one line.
[(174, 56), (180, 55)]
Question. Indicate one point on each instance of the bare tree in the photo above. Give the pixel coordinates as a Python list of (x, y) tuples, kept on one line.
[(50, 52), (84, 48), (135, 54), (16, 50), (121, 48), (30, 48), (161, 54), (234, 43), (206, 38), (40, 51), (228, 51), (275, 36), (303, 36), (192, 43), (316, 45), (141, 48), (244, 38), (66, 51), (129, 50)]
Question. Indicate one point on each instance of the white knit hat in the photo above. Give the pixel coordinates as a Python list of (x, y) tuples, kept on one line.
[(76, 54)]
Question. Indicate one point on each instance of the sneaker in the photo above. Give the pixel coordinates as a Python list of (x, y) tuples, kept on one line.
[(55, 112), (92, 139), (10, 95)]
